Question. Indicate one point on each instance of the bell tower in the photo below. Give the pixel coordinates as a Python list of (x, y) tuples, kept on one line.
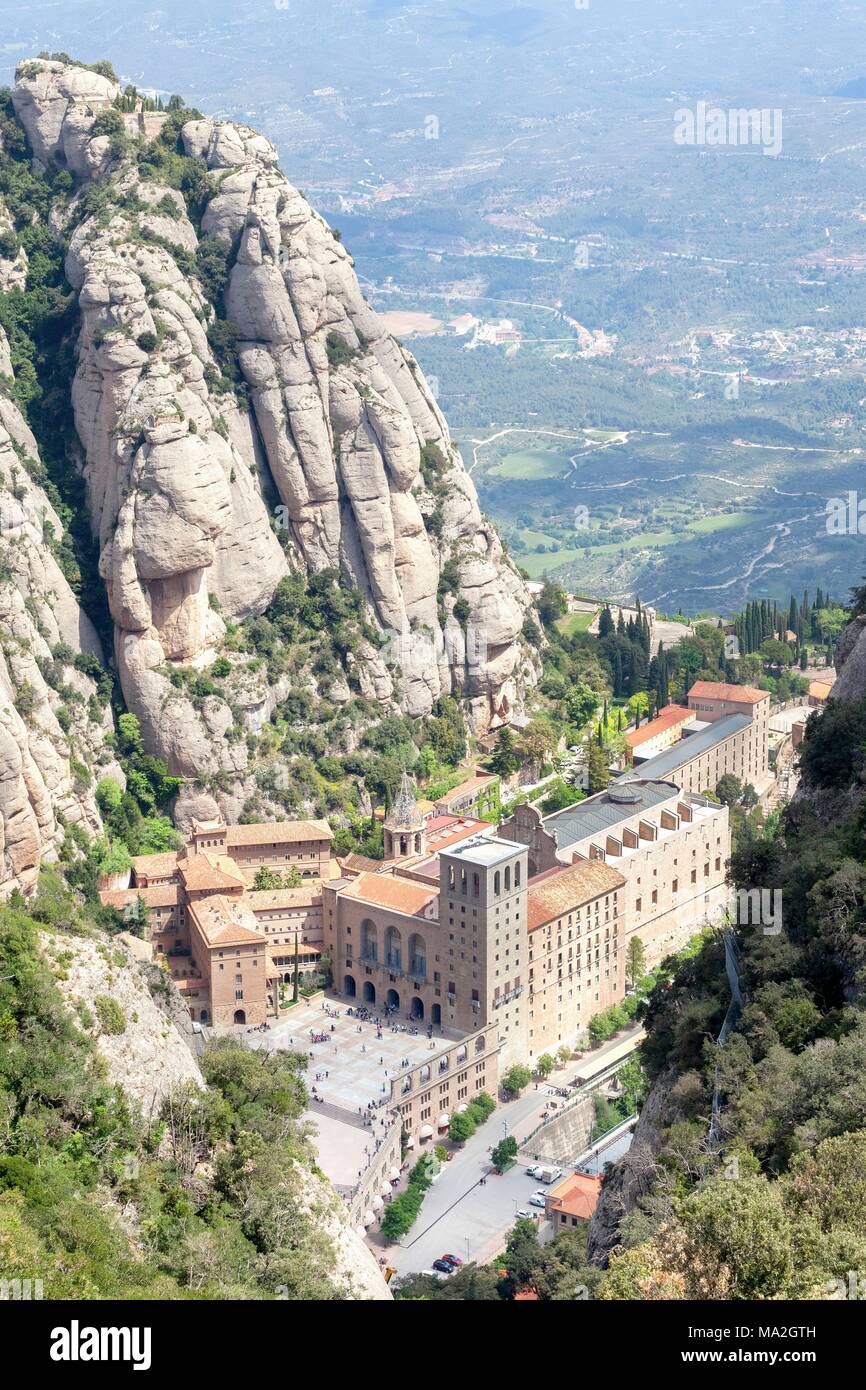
[(405, 828)]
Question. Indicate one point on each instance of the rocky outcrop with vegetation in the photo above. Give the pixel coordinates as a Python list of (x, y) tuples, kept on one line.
[(270, 523), (131, 1170), (55, 724)]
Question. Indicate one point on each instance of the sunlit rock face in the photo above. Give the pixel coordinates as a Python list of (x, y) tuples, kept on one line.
[(343, 459)]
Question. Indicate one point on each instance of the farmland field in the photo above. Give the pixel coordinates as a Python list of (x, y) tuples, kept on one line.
[(530, 465), (685, 519)]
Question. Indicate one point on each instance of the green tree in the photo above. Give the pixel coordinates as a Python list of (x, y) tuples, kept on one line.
[(516, 1079), (598, 770), (635, 961), (505, 759), (461, 1127), (504, 1154)]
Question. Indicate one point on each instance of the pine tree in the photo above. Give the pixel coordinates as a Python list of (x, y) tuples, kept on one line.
[(618, 683), (639, 672), (664, 693)]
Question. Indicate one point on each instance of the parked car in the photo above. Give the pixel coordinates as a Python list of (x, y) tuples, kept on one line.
[(433, 1274), (452, 1260), (526, 1215), (538, 1199), (534, 1171), (443, 1267)]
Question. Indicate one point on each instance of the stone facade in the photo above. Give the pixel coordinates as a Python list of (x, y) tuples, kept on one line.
[(576, 959), (484, 946), (729, 735), (227, 946), (426, 1096), (671, 847)]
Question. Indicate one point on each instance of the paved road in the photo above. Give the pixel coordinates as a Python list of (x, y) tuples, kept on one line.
[(459, 1217)]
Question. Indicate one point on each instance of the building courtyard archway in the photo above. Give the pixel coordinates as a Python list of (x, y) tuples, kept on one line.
[(349, 986), (369, 992)]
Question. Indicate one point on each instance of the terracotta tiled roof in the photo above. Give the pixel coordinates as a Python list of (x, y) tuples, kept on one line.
[(396, 893), (164, 895), (820, 690), (444, 831), (718, 690), (209, 871), (669, 716), (190, 984), (267, 899), (225, 921), (577, 1195), (305, 951), (359, 864), (560, 890), (156, 865), (280, 832)]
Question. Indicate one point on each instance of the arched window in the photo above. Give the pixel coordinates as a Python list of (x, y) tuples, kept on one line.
[(451, 876), (496, 884), (517, 875), (417, 956), (393, 949), (369, 940), (508, 879), (463, 882), (476, 885)]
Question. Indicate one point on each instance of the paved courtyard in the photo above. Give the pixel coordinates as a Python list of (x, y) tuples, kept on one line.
[(352, 1066), (343, 1152)]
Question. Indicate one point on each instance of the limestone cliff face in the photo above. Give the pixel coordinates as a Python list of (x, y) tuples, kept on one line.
[(631, 1177), (52, 730), (144, 1052), (202, 506), (174, 483), (343, 442)]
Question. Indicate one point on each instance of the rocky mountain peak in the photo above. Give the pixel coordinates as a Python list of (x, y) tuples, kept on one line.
[(243, 417)]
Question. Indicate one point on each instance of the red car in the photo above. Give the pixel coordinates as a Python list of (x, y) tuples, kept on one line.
[(452, 1260)]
